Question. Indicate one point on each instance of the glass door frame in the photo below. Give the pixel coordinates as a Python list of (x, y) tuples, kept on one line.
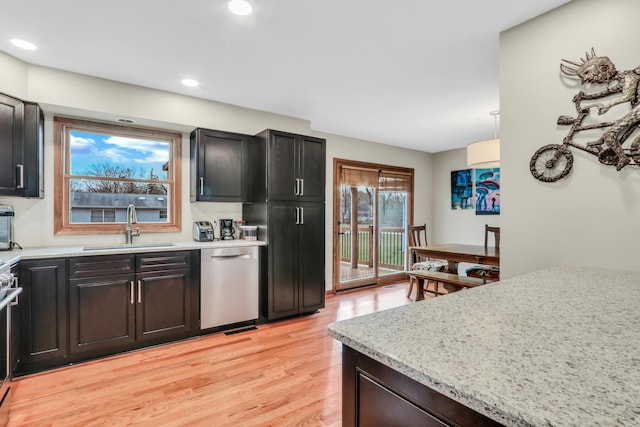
[(337, 190)]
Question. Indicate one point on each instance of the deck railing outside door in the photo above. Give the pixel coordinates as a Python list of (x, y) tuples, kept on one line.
[(391, 247)]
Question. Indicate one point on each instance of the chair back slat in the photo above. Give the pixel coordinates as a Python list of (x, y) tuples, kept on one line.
[(496, 236), (417, 237)]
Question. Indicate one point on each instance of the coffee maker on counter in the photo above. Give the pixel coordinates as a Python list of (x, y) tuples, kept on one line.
[(227, 232)]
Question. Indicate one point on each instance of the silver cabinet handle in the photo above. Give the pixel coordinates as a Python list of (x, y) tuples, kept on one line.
[(201, 186), (297, 186), (302, 186), (20, 176), (131, 290), (301, 216), (297, 215), (139, 291)]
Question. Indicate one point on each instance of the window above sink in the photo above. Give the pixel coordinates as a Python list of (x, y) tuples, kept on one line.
[(101, 168)]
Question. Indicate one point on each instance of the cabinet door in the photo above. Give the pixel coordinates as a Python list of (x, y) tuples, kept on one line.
[(11, 122), (101, 315), (282, 166), (219, 159), (311, 257), (33, 151), (311, 164), (43, 313), (163, 305), (282, 257)]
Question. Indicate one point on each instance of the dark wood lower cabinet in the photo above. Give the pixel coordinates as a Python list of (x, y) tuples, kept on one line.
[(375, 395), (106, 304), (111, 314), (164, 305), (43, 314), (101, 315)]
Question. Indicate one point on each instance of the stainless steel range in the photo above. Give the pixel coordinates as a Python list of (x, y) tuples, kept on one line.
[(9, 292)]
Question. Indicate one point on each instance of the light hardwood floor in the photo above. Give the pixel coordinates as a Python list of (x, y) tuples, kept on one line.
[(286, 373)]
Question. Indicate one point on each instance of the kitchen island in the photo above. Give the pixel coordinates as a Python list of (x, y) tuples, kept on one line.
[(557, 347)]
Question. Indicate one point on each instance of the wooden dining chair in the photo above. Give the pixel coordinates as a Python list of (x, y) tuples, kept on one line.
[(486, 272), (417, 235)]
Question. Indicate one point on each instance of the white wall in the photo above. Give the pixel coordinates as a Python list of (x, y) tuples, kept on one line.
[(590, 218), (77, 95)]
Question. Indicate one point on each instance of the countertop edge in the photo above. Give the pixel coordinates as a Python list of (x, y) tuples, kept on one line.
[(11, 257)]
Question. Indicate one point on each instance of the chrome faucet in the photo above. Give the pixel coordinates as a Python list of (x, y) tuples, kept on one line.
[(132, 218)]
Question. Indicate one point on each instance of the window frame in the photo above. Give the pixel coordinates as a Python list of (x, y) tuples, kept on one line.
[(62, 177)]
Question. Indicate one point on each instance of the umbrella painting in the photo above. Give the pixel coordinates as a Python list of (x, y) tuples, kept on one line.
[(487, 194)]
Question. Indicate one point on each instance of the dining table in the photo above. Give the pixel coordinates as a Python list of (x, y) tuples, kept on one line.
[(455, 253)]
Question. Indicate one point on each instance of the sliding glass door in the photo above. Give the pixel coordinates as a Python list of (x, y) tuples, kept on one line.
[(371, 206), (392, 222)]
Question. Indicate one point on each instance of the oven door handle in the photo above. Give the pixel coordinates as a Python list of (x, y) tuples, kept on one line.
[(11, 296)]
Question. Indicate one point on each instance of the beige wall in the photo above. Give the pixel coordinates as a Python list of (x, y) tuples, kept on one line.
[(14, 76), (77, 95), (591, 218)]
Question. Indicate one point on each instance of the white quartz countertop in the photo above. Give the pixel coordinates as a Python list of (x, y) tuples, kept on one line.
[(68, 251), (557, 347)]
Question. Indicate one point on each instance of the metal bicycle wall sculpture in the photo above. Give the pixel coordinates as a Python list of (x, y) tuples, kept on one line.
[(554, 161)]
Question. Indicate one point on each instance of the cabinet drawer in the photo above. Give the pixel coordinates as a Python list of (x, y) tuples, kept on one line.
[(101, 265), (163, 261)]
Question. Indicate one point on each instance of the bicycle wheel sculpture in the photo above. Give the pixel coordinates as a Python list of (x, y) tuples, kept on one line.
[(551, 163)]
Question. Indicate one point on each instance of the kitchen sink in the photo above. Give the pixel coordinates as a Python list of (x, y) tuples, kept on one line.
[(125, 246)]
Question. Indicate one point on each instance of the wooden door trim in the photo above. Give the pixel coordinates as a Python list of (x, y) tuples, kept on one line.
[(337, 163)]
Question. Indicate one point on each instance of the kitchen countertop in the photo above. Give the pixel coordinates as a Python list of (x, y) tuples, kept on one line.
[(9, 257), (556, 347)]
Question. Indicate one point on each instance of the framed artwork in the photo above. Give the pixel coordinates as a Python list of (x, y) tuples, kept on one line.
[(487, 191), (461, 189)]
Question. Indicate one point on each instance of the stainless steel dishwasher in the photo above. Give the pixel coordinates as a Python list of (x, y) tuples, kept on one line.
[(229, 280)]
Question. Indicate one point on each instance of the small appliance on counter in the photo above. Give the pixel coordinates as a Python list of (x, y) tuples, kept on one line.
[(227, 232), (249, 232), (6, 228), (203, 231)]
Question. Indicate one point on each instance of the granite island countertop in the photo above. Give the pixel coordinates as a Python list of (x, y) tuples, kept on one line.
[(557, 347)]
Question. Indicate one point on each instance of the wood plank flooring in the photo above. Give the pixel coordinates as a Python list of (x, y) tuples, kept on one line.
[(286, 373)]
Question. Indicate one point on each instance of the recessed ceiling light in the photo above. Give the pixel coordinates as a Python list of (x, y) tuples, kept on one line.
[(23, 44), (240, 7), (190, 82)]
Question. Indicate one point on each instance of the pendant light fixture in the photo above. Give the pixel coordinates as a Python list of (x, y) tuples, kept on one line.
[(240, 7), (486, 153)]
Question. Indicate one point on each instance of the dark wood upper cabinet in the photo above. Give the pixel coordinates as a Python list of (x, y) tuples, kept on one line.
[(33, 151), (218, 166), (295, 168), (22, 144), (11, 127)]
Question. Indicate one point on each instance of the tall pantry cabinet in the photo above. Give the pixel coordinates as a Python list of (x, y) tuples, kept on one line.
[(286, 198)]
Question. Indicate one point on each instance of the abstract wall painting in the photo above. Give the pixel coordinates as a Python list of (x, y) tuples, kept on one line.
[(487, 191), (461, 189)]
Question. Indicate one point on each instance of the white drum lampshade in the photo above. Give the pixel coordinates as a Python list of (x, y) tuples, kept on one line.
[(484, 154)]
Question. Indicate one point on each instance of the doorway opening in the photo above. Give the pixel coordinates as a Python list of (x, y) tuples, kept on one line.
[(373, 204)]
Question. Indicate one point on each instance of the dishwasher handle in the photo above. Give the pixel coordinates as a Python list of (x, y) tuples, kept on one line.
[(229, 257)]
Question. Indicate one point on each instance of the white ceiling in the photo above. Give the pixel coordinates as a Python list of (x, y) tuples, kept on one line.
[(421, 74)]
